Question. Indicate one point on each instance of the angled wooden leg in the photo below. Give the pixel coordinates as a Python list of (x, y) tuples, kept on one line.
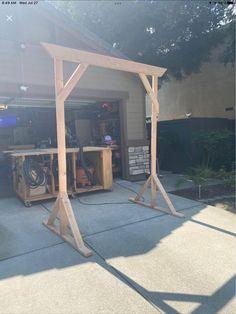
[(67, 221), (76, 240), (171, 208), (54, 212), (63, 220), (153, 193), (141, 191)]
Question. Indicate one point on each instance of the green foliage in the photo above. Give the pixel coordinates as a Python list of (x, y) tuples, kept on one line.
[(215, 148), (228, 177), (178, 35), (199, 176)]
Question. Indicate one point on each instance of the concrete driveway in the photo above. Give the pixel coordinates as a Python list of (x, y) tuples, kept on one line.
[(143, 261)]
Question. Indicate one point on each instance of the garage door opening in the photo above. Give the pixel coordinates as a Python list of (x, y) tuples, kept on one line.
[(91, 123)]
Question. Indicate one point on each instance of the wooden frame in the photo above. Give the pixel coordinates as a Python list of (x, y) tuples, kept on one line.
[(69, 229)]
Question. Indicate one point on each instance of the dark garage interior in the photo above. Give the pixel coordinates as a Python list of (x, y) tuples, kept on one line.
[(92, 123)]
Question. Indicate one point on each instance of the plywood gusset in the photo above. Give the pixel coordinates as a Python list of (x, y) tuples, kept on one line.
[(68, 228)]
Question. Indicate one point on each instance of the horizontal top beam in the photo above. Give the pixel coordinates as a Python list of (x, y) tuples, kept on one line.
[(91, 58)]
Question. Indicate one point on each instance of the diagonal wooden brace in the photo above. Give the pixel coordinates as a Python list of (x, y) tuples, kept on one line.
[(68, 229), (149, 91), (143, 189), (72, 81), (170, 207)]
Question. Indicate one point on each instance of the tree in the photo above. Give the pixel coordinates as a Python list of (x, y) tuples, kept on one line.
[(178, 35)]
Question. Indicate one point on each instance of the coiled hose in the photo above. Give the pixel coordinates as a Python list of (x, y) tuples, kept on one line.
[(33, 173)]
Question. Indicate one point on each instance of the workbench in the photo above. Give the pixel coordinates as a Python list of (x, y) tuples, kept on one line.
[(99, 157)]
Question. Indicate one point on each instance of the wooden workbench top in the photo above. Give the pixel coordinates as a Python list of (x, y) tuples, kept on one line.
[(48, 151)]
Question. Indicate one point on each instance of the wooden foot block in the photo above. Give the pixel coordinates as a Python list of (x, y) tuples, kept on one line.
[(82, 249), (164, 210), (177, 214)]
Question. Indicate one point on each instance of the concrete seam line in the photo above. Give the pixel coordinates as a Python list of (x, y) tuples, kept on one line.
[(135, 222), (29, 252), (119, 274)]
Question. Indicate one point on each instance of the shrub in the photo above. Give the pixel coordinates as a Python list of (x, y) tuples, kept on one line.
[(199, 176), (215, 149), (228, 177)]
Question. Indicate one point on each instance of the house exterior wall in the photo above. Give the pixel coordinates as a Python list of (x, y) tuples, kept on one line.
[(31, 65), (206, 94)]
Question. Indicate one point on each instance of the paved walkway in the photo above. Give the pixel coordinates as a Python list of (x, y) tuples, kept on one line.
[(143, 261)]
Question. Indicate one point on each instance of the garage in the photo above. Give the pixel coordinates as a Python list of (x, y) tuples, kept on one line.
[(88, 123)]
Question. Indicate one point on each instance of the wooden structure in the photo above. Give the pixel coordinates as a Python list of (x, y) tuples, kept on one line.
[(85, 59), (99, 157)]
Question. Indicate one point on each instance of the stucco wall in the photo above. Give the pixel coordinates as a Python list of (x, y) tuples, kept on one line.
[(204, 94)]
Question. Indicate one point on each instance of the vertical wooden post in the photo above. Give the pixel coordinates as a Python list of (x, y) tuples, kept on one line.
[(153, 179), (60, 114), (63, 205), (154, 143)]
